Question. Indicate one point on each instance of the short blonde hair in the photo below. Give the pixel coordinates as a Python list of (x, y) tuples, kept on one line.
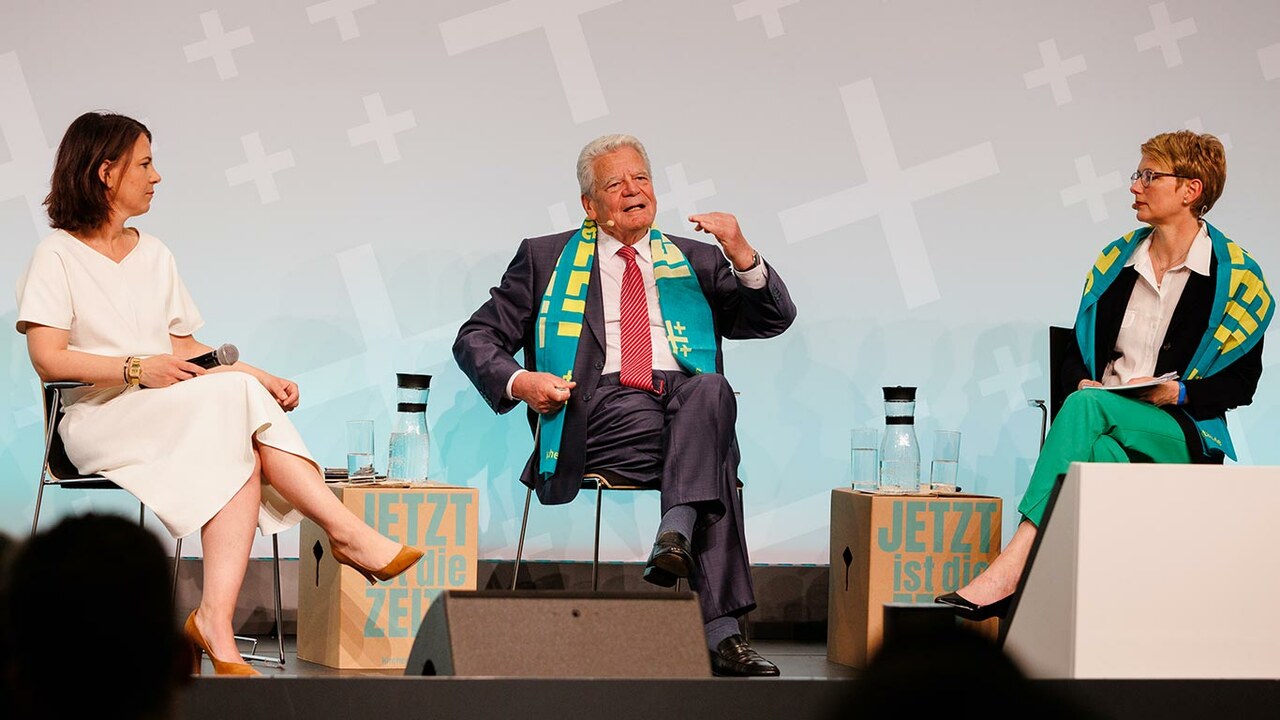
[(1195, 156)]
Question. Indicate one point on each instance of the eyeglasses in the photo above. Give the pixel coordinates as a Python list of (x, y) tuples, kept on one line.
[(1148, 175)]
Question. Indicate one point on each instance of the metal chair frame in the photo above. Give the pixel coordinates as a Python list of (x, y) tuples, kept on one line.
[(599, 482), (1059, 339), (67, 476)]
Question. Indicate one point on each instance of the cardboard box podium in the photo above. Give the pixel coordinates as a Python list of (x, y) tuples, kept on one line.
[(343, 622), (901, 549)]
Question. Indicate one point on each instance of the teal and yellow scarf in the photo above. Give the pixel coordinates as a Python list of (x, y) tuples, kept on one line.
[(1242, 309), (687, 316)]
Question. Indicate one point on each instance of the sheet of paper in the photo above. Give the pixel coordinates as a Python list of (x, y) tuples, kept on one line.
[(1135, 386)]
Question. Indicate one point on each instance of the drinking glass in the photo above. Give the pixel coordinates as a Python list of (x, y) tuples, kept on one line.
[(946, 461), (360, 449), (865, 457)]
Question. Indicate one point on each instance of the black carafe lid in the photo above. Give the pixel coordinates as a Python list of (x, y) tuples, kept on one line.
[(898, 393), (411, 381)]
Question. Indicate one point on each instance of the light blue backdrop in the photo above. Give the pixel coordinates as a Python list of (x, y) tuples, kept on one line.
[(344, 180)]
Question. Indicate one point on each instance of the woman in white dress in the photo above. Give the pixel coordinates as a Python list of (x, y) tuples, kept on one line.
[(209, 450)]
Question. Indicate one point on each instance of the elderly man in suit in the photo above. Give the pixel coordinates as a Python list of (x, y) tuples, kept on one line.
[(621, 328)]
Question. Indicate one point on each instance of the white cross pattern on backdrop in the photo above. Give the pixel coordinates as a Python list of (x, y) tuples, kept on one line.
[(681, 196), (1091, 188), (26, 175), (260, 168), (1009, 378), (1197, 126), (889, 193), (380, 330), (341, 11), (1166, 35), (766, 10), (1269, 59), (218, 45), (1055, 72), (560, 20), (381, 128)]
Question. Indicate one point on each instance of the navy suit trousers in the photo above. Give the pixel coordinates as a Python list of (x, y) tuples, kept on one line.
[(682, 440)]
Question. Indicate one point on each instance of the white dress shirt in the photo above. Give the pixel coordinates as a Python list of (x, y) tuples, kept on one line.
[(1151, 306), (611, 267)]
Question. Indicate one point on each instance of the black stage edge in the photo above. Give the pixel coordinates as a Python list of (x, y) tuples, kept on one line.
[(481, 698), (791, 599)]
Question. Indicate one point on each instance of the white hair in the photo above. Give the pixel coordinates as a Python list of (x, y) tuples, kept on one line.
[(604, 145)]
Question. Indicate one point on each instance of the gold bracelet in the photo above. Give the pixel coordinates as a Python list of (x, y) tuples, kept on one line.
[(124, 371), (134, 372)]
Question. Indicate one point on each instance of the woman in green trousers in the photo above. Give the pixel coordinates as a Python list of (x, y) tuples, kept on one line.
[(1176, 296)]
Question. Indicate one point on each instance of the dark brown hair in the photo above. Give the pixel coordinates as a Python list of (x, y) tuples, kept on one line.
[(77, 196)]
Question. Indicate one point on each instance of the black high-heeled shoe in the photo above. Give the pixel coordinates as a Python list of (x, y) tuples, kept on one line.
[(970, 611)]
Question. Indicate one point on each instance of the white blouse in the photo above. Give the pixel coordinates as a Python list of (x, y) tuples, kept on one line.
[(1151, 305)]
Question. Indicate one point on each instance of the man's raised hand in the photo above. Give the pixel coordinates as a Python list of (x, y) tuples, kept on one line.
[(726, 231)]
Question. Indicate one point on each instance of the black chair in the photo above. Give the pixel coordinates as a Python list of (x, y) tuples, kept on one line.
[(1059, 341), (58, 470)]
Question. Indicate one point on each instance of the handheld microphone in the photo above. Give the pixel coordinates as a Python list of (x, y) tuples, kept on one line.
[(224, 355)]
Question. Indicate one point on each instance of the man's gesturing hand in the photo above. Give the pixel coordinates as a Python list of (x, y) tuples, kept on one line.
[(726, 231), (543, 392)]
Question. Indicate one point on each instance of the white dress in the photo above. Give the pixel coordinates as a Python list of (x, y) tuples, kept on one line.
[(184, 450)]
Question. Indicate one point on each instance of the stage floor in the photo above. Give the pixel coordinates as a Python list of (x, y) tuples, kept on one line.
[(810, 687), (795, 659)]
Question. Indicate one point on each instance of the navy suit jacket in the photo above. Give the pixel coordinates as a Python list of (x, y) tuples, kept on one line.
[(487, 342)]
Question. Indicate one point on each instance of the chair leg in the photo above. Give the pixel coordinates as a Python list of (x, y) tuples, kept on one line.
[(595, 553), (744, 622), (278, 659), (1044, 420), (275, 561), (524, 525), (35, 519), (44, 462), (177, 558)]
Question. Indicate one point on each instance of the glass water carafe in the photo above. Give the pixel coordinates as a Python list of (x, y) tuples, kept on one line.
[(410, 446), (899, 451)]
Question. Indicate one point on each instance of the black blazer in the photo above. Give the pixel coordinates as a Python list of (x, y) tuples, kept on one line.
[(487, 342), (1206, 397)]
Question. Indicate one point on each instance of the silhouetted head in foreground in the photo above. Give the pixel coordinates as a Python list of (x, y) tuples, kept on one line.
[(89, 624)]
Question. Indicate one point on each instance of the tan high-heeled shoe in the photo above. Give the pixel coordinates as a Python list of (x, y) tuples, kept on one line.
[(219, 667), (405, 559)]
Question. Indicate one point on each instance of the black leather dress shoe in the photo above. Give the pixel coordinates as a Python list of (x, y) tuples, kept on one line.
[(971, 611), (670, 560), (733, 657)]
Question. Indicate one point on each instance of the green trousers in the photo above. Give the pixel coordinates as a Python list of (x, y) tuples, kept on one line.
[(1101, 426)]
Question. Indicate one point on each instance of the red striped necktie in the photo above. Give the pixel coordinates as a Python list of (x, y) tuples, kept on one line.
[(637, 342)]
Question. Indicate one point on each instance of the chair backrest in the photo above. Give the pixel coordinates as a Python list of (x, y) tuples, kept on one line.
[(59, 466), (1059, 340)]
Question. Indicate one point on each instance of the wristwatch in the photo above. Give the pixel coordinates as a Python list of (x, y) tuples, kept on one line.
[(755, 263), (133, 371)]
